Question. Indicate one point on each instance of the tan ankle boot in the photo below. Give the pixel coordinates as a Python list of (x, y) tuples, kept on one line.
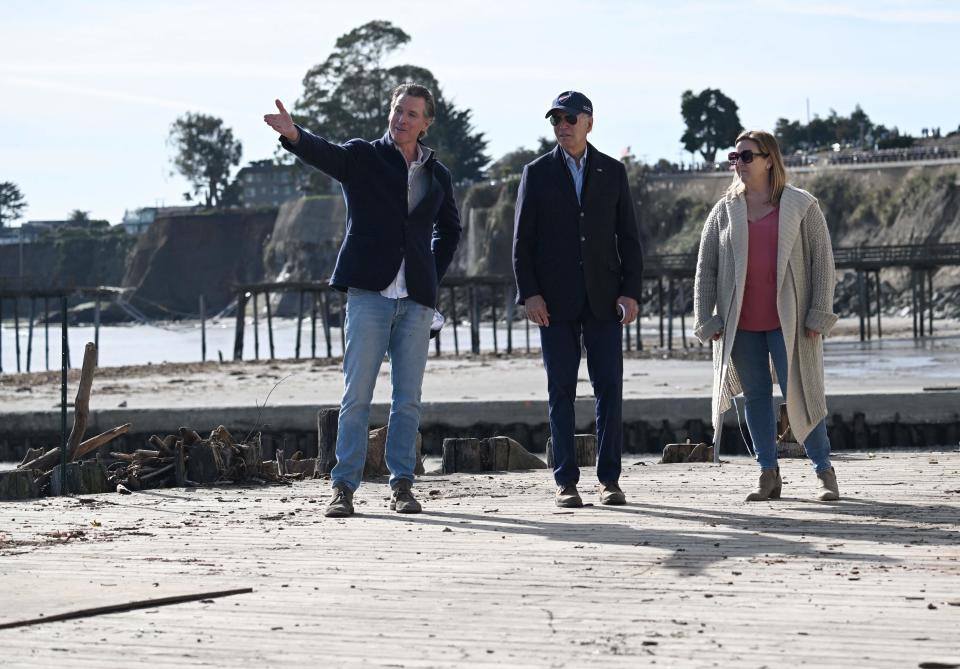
[(769, 486), (829, 490)]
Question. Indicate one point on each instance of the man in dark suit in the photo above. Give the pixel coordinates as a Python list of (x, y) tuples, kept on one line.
[(578, 262), (402, 230)]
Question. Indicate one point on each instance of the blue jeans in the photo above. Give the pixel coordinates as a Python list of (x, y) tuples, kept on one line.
[(751, 356), (375, 326)]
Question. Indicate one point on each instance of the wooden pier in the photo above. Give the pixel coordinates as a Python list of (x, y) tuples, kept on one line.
[(492, 574), (669, 279)]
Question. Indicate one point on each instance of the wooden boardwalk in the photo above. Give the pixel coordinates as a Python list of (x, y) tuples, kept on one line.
[(686, 575)]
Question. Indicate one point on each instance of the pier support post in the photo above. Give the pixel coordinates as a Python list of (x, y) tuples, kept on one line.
[(660, 306), (238, 330)]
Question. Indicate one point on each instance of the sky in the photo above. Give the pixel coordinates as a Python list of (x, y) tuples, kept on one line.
[(89, 89)]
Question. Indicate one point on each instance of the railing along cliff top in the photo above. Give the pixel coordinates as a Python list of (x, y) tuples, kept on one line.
[(845, 257)]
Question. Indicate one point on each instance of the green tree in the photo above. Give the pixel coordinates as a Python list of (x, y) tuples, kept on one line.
[(712, 122), (205, 153), (12, 203), (348, 94), (81, 219), (821, 133), (78, 217), (512, 162)]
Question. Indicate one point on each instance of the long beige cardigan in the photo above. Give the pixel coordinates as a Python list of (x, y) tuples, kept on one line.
[(805, 284)]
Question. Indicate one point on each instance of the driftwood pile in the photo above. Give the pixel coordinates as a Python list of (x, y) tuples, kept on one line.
[(41, 472), (187, 459), (180, 459)]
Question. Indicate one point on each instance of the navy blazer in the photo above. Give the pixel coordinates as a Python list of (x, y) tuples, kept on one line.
[(380, 232), (573, 254)]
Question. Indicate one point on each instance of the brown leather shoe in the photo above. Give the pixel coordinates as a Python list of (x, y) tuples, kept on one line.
[(402, 499), (769, 486), (341, 505), (829, 490), (568, 497), (612, 495)]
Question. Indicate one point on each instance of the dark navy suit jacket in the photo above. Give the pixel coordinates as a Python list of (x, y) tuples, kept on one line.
[(380, 232), (573, 254)]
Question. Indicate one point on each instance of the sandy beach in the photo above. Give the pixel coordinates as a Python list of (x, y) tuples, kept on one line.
[(893, 364)]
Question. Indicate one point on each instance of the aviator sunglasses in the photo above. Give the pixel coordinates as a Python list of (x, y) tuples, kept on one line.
[(555, 119), (745, 156)]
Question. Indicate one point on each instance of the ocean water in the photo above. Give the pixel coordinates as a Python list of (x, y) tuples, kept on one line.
[(140, 344)]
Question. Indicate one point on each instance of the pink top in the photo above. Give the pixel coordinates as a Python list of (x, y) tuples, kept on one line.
[(759, 310)]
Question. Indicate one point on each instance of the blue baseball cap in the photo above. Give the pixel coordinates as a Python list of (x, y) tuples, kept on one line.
[(571, 102)]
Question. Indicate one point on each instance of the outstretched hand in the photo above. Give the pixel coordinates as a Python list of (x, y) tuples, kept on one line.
[(283, 123)]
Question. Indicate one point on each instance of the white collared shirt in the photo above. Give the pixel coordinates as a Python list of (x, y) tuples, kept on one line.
[(398, 287)]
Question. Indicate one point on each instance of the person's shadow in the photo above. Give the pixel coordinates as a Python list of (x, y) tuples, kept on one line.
[(762, 534)]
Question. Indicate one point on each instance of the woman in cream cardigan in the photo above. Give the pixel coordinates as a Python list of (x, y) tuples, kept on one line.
[(764, 290)]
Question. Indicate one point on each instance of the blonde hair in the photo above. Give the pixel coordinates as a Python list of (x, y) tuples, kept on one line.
[(778, 171)]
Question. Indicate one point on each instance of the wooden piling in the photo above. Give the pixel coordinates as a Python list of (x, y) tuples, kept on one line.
[(866, 305), (313, 324), (241, 322), (454, 319), (16, 329), (510, 305), (96, 321), (296, 352), (861, 295), (670, 314), (327, 423), (660, 306), (64, 363), (493, 317), (879, 305), (683, 316), (256, 328), (203, 330), (913, 300), (325, 313), (46, 334), (474, 308), (33, 310)]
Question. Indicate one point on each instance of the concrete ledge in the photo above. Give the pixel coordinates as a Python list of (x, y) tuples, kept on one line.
[(924, 407)]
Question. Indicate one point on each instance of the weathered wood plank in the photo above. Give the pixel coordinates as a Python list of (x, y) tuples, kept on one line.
[(493, 574)]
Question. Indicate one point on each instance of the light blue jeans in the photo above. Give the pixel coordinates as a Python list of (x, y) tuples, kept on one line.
[(752, 352), (375, 326)]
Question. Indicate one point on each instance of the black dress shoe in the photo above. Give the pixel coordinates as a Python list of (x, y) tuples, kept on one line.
[(612, 495), (568, 497)]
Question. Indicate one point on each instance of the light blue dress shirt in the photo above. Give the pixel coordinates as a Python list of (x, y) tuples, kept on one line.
[(575, 171)]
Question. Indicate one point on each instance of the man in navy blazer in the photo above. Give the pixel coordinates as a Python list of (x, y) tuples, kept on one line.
[(578, 263), (402, 230)]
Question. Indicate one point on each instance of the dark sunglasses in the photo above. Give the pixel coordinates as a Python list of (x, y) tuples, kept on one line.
[(745, 156), (556, 119)]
